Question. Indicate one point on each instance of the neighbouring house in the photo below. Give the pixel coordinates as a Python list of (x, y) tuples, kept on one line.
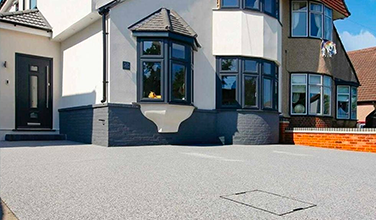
[(142, 72), (364, 62)]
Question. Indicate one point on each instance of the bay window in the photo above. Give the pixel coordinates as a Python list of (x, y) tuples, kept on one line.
[(346, 102), (311, 19), (310, 94), (247, 83), (270, 7), (165, 68)]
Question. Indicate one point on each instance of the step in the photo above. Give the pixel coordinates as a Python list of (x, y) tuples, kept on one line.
[(35, 137)]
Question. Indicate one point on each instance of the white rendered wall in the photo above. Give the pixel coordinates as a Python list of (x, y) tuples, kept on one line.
[(197, 13), (82, 67), (12, 42), (246, 33)]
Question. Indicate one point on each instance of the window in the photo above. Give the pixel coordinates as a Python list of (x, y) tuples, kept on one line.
[(33, 4), (270, 7), (247, 83), (311, 19), (165, 71), (346, 102), (318, 100)]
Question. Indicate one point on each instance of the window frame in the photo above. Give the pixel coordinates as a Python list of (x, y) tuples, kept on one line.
[(308, 13), (306, 92), (350, 94), (261, 7)]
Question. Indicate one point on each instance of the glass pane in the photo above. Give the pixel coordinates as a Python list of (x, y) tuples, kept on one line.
[(327, 81), (301, 6), (299, 99), (328, 12), (328, 28), (250, 66), (33, 4), (267, 94), (152, 48), (344, 89), (343, 106), (250, 90), (314, 80), (178, 51), (354, 100), (298, 79), (230, 3), (33, 91), (316, 7), (253, 4), (315, 100), (178, 82), (316, 25), (327, 100), (229, 65), (299, 24), (152, 80), (34, 68), (229, 90), (268, 6), (268, 68)]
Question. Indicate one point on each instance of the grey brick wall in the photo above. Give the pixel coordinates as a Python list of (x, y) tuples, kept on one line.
[(124, 125)]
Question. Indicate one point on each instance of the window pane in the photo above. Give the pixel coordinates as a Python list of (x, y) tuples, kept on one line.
[(343, 89), (267, 68), (327, 100), (250, 66), (316, 7), (151, 80), (328, 28), (299, 24), (314, 80), (301, 6), (354, 100), (315, 100), (250, 90), (253, 4), (298, 79), (267, 94), (298, 99), (229, 90), (33, 91), (178, 51), (178, 82), (229, 65), (269, 5), (343, 106), (33, 4), (316, 25), (328, 12), (230, 3), (152, 48), (327, 81)]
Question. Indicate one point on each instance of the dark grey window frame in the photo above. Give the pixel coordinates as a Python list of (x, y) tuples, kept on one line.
[(351, 87), (242, 6), (240, 89), (166, 70)]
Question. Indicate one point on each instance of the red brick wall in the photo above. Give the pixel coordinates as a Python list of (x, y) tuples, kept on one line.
[(344, 141)]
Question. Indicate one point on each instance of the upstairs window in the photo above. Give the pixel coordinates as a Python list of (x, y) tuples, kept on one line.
[(33, 4), (311, 19), (270, 7)]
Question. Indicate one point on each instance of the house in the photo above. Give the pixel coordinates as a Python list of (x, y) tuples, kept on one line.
[(141, 72), (364, 62)]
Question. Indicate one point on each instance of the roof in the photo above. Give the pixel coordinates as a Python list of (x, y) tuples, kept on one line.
[(338, 5), (364, 62), (164, 20), (30, 18)]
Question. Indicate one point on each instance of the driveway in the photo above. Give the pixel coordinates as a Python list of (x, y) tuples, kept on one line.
[(66, 180)]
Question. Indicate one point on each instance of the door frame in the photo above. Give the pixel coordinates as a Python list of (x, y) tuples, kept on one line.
[(16, 69)]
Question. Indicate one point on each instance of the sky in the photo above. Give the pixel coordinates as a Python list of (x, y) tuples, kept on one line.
[(359, 30)]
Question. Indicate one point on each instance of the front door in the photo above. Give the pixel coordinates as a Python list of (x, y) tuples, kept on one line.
[(33, 92)]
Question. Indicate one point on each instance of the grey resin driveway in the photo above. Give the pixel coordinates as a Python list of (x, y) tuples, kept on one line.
[(65, 180)]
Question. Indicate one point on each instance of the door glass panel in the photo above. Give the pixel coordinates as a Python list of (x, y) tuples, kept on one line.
[(33, 68), (33, 91)]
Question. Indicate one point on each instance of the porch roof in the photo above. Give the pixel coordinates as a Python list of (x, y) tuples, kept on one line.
[(30, 18)]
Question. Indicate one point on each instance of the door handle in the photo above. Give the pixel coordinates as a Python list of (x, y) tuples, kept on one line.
[(48, 86)]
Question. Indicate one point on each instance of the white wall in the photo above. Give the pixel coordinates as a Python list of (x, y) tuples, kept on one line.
[(197, 13), (82, 67), (247, 33), (12, 42)]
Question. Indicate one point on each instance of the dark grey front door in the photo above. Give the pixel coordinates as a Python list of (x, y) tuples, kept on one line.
[(33, 92)]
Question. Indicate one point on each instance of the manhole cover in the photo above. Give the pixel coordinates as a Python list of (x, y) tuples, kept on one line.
[(269, 202)]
